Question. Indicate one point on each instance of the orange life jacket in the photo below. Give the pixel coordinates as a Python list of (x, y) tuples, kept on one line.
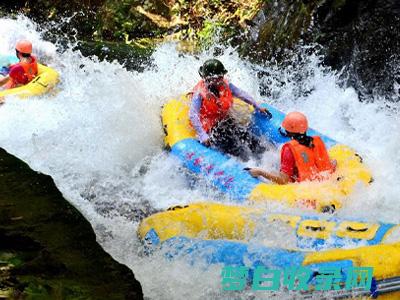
[(31, 68), (213, 109), (30, 71), (311, 163)]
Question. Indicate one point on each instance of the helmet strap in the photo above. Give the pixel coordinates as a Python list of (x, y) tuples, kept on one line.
[(201, 73)]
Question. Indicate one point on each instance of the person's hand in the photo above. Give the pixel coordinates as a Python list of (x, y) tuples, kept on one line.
[(206, 142), (334, 164), (2, 99), (255, 172), (265, 111)]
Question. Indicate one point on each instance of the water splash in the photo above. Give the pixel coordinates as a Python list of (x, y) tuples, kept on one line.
[(101, 140)]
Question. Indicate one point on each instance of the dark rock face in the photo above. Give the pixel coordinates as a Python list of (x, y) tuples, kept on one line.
[(361, 36), (47, 249)]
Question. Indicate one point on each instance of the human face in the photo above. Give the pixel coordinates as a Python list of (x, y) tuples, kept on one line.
[(214, 80)]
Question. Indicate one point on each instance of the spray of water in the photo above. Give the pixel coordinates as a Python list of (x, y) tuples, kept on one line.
[(99, 136)]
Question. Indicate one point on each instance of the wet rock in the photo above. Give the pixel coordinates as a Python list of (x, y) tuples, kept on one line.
[(62, 18), (132, 57), (363, 37), (47, 249)]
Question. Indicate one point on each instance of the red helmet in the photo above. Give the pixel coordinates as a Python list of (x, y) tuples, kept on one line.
[(24, 46), (295, 122)]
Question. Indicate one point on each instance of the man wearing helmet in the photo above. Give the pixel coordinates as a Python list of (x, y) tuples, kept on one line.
[(302, 158), (24, 71), (212, 99)]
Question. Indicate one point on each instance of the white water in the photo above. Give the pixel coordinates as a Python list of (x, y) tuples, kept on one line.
[(101, 140)]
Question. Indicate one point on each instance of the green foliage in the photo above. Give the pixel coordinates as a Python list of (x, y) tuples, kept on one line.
[(209, 32), (36, 291), (194, 21)]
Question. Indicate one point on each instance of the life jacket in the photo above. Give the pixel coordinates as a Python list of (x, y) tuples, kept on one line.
[(30, 70), (311, 163), (213, 109)]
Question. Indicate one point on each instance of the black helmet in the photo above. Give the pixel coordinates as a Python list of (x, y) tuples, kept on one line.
[(212, 67)]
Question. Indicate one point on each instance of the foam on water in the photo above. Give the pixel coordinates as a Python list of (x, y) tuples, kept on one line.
[(99, 136)]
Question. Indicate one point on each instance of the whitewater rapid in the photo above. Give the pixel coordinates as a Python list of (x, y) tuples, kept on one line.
[(99, 136)]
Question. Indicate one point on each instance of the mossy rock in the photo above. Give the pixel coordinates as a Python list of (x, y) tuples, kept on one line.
[(134, 56), (47, 248)]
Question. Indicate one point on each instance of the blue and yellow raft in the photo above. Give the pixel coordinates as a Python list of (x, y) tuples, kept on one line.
[(228, 175), (46, 79), (212, 221), (218, 234), (383, 259)]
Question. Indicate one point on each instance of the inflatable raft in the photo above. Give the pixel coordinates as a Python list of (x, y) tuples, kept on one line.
[(383, 259), (46, 79), (228, 175), (5, 61), (209, 234), (211, 221)]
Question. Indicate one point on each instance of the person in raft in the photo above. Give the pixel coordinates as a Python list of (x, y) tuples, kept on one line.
[(302, 158), (212, 99), (25, 70)]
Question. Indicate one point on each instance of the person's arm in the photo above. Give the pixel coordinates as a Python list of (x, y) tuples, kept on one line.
[(194, 115), (242, 95), (280, 178), (287, 171), (4, 80)]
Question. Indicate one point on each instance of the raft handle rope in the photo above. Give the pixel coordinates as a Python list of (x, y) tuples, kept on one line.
[(315, 228), (165, 129), (36, 80), (328, 209), (176, 207), (349, 228), (359, 157)]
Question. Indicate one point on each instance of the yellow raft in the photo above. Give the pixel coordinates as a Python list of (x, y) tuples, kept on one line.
[(46, 79), (212, 221), (328, 195), (219, 234), (383, 259)]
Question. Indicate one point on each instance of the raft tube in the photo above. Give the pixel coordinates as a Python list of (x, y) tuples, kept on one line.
[(228, 175), (384, 260), (5, 62), (46, 79), (212, 221)]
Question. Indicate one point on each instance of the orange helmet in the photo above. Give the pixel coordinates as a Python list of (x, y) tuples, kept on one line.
[(295, 122), (24, 46)]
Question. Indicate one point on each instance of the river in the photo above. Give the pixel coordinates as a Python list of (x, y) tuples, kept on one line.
[(99, 136)]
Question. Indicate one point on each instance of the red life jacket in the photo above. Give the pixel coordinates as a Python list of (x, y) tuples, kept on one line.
[(31, 68), (311, 163), (213, 109), (30, 72)]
